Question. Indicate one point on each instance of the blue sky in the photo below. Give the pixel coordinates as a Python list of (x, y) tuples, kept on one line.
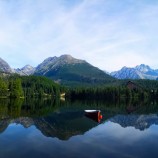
[(108, 34)]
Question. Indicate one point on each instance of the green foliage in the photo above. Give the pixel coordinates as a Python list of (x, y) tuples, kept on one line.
[(34, 86), (77, 74), (3, 88), (14, 108), (15, 88)]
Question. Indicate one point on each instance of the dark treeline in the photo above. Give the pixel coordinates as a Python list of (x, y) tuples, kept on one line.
[(15, 86), (28, 86), (111, 93), (127, 89)]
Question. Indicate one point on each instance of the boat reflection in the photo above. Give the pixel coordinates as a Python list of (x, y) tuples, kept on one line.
[(94, 115)]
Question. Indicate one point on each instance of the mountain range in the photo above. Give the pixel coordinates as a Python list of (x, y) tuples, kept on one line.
[(139, 72), (61, 125), (64, 69), (68, 70)]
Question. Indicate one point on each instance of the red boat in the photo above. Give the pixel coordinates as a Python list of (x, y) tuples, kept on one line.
[(94, 115)]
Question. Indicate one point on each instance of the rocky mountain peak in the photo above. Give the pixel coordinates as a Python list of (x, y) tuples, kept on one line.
[(25, 71), (67, 69), (124, 68), (143, 68), (50, 59), (139, 72), (54, 62), (29, 67), (66, 56), (4, 66), (68, 59), (126, 73)]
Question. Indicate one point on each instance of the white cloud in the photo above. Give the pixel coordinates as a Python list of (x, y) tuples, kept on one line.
[(107, 33)]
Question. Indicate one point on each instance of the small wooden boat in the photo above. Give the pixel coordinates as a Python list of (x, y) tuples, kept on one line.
[(94, 115)]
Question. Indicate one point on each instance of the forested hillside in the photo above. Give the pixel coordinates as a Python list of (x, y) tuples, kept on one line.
[(139, 89), (27, 86)]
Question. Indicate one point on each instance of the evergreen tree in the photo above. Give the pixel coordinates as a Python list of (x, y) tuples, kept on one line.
[(15, 87), (3, 88)]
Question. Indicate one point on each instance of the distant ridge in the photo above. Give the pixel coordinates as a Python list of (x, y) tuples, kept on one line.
[(139, 72), (25, 71)]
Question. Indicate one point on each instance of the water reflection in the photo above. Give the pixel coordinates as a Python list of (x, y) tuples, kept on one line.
[(140, 122), (63, 120), (51, 118), (44, 128)]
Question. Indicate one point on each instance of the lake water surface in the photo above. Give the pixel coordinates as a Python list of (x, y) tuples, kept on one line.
[(45, 128)]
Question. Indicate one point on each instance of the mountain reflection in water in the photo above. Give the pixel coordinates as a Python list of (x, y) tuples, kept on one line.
[(47, 128), (52, 120), (64, 121)]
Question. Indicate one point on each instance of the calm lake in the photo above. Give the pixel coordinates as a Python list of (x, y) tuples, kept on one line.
[(45, 128)]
